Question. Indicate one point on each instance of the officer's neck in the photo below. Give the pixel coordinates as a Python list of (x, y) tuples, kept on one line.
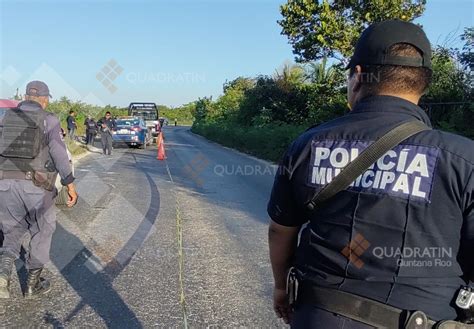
[(413, 98)]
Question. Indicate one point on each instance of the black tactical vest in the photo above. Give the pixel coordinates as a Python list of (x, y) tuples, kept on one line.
[(23, 145)]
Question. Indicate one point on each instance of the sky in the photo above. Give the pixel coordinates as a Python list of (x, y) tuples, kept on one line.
[(163, 51)]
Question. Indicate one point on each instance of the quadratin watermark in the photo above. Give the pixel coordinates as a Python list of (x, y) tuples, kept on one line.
[(354, 250), (165, 77), (108, 74), (358, 249), (416, 256), (195, 168), (244, 170)]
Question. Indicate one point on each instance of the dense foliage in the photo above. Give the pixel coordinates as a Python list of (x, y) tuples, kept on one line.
[(319, 29), (253, 113)]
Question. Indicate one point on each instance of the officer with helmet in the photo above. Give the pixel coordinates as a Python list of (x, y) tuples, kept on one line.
[(31, 156), (392, 248)]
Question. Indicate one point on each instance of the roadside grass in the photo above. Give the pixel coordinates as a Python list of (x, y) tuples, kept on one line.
[(75, 148), (268, 142)]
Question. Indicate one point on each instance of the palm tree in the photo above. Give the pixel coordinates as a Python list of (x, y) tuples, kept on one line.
[(319, 73), (289, 76)]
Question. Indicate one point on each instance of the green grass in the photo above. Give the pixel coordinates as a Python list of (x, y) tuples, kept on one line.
[(267, 142), (75, 148)]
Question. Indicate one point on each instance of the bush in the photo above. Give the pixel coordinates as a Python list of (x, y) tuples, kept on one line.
[(267, 142)]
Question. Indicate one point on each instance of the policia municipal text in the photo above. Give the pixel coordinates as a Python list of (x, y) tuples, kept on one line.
[(31, 156), (392, 248)]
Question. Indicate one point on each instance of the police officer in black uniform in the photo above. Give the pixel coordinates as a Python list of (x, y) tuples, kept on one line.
[(31, 156), (107, 126), (91, 130), (400, 238)]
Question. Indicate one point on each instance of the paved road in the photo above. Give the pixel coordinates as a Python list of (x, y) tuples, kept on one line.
[(159, 243)]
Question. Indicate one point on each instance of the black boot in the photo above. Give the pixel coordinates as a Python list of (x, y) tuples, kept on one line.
[(6, 265), (35, 285)]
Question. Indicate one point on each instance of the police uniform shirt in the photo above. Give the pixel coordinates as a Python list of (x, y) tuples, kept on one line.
[(403, 232), (71, 122), (110, 123)]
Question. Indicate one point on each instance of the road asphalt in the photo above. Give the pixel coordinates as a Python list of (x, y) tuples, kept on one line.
[(169, 244)]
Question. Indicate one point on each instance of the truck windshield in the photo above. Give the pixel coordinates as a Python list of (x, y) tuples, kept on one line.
[(146, 115)]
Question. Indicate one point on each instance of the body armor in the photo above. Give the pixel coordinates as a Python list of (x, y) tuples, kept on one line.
[(23, 146)]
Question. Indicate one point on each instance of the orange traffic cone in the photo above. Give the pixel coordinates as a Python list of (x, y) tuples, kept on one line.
[(159, 139), (161, 149)]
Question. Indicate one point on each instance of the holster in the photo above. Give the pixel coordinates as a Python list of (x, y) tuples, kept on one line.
[(46, 180)]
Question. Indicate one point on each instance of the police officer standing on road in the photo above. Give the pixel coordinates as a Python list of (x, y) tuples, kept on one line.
[(71, 124), (107, 126), (31, 155), (399, 238), (91, 130)]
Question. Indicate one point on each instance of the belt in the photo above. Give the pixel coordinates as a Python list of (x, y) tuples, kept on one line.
[(368, 311), (14, 174)]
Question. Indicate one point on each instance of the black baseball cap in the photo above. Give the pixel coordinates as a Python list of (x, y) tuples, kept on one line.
[(37, 88), (374, 43)]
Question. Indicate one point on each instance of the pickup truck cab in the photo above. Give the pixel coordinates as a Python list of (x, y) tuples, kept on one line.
[(149, 113)]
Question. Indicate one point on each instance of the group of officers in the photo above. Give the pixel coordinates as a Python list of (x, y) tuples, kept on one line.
[(105, 126), (340, 281)]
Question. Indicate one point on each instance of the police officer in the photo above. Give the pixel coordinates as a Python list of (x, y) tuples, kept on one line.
[(91, 130), (107, 126), (71, 124), (400, 237), (31, 155)]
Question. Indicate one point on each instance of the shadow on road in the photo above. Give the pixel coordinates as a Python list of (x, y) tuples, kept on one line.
[(95, 288)]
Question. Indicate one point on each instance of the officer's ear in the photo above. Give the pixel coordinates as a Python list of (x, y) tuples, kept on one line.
[(43, 101), (356, 79)]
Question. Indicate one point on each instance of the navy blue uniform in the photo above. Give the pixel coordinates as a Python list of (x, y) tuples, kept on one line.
[(106, 134), (402, 233), (71, 126)]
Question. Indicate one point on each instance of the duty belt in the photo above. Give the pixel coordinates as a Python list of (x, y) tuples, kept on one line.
[(370, 312), (15, 174)]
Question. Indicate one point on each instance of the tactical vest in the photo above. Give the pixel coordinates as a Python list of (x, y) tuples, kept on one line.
[(23, 145)]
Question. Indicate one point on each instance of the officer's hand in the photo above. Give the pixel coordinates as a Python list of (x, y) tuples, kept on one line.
[(71, 190), (281, 306)]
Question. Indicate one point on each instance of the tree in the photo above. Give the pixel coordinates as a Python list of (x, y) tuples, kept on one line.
[(269, 102), (202, 108), (240, 83), (289, 77), (449, 81), (319, 73), (466, 56), (318, 29), (228, 104)]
